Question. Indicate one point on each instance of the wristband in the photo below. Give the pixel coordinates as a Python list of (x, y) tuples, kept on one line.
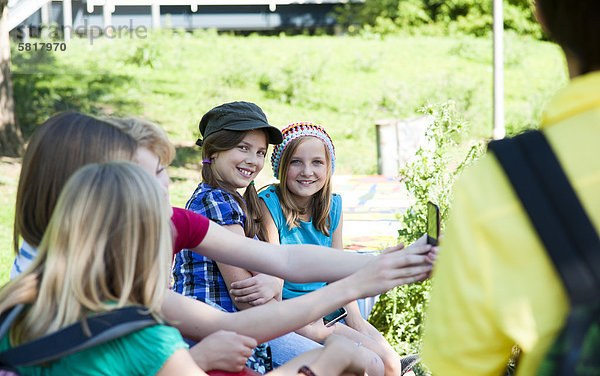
[(306, 371)]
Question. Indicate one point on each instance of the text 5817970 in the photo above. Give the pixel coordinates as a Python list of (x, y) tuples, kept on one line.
[(42, 46)]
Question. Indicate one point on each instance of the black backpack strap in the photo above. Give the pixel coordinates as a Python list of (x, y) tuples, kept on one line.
[(103, 327), (8, 317), (568, 235), (554, 210)]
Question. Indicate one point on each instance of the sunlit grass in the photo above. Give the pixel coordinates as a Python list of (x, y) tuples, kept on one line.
[(343, 83)]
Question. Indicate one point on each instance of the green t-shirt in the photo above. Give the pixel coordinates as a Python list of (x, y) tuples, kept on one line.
[(139, 353)]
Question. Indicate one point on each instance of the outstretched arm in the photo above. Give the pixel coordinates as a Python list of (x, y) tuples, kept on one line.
[(247, 290), (393, 268), (263, 288), (223, 350), (294, 263)]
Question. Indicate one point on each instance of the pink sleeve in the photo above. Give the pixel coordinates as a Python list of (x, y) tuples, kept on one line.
[(189, 227)]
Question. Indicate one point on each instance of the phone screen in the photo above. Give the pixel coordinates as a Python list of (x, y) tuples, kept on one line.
[(433, 223), (335, 316)]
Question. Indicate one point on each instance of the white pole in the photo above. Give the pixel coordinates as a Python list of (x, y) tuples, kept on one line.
[(499, 131), (67, 19), (155, 11), (46, 16), (107, 17)]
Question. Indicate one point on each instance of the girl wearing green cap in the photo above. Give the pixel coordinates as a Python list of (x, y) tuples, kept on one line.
[(234, 145)]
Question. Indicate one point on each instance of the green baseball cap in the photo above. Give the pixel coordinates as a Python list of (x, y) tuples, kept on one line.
[(237, 116)]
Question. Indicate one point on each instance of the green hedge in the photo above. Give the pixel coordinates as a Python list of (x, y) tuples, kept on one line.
[(438, 17)]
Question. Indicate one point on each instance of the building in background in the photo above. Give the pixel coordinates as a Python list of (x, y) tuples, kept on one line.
[(245, 16)]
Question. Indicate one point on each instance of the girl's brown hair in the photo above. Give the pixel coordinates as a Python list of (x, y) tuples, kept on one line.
[(224, 140), (107, 245), (58, 148), (320, 201)]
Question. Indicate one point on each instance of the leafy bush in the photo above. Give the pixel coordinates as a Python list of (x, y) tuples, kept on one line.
[(428, 177), (146, 54), (292, 82), (463, 16), (43, 85)]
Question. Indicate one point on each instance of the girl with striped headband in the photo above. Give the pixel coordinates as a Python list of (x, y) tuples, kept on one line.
[(302, 209)]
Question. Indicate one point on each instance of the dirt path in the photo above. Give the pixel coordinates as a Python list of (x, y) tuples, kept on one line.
[(371, 206)]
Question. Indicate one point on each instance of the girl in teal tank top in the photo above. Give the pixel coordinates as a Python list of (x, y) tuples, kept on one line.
[(302, 209)]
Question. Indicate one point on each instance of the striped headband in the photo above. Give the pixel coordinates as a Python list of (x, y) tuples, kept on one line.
[(296, 130)]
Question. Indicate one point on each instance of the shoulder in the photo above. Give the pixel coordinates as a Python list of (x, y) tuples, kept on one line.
[(216, 204), (161, 335), (269, 195), (335, 212), (146, 350), (142, 352), (271, 200), (336, 200), (205, 195), (485, 188), (183, 216), (190, 228)]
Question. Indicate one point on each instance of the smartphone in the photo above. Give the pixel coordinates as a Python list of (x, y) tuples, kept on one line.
[(335, 316), (433, 223)]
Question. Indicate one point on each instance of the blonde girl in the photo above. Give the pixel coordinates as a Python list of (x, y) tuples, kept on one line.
[(302, 209), (97, 255)]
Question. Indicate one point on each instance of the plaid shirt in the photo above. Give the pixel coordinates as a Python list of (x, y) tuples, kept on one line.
[(198, 276)]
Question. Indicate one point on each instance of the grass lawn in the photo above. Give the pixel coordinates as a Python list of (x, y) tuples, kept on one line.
[(343, 83)]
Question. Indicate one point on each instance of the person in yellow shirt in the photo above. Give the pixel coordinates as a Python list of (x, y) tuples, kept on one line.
[(494, 286)]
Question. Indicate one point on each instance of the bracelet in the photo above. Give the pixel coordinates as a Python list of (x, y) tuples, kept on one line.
[(306, 371)]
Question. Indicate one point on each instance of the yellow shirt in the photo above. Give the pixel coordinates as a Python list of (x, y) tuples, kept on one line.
[(494, 285)]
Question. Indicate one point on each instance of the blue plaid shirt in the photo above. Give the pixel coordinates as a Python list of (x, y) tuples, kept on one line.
[(198, 277), (195, 275)]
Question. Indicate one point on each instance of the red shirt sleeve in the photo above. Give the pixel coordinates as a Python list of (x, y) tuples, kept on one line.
[(189, 229)]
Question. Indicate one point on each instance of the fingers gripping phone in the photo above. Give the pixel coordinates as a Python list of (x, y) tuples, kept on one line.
[(433, 223), (335, 316)]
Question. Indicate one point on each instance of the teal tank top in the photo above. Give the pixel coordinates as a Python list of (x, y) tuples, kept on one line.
[(305, 233)]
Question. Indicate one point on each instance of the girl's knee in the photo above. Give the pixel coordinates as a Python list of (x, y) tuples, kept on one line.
[(374, 363), (392, 364)]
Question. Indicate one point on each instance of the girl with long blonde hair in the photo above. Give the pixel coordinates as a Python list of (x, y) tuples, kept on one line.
[(107, 246), (302, 209)]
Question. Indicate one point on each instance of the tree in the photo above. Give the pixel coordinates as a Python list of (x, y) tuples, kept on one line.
[(11, 140)]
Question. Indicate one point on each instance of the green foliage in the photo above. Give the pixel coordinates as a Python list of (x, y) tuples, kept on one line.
[(428, 176), (345, 83), (43, 85), (436, 16), (146, 54), (293, 82)]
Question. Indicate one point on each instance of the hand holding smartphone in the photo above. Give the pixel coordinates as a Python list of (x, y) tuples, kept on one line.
[(335, 316), (433, 223)]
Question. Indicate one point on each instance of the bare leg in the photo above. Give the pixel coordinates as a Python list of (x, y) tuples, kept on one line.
[(340, 356), (389, 358)]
